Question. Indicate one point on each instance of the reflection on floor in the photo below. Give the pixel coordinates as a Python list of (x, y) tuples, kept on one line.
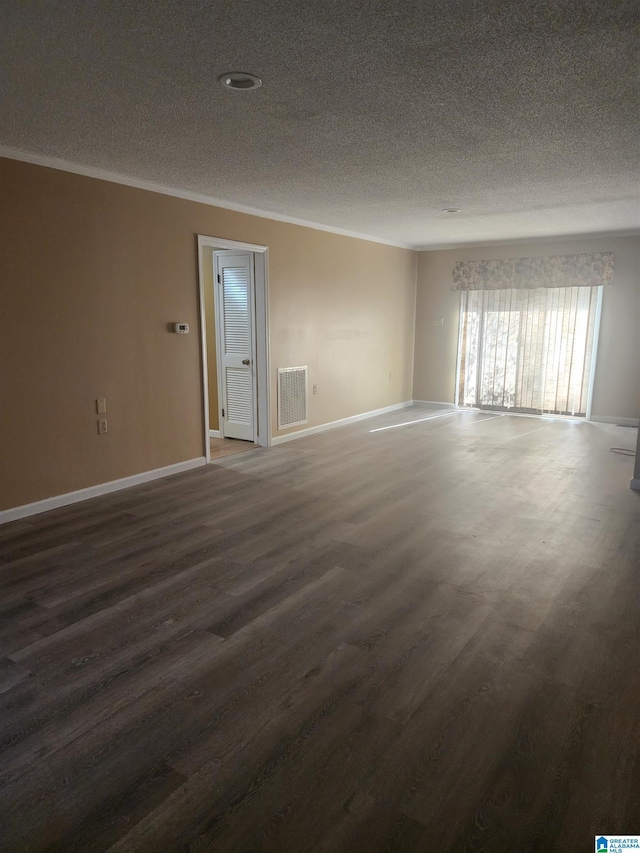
[(227, 446)]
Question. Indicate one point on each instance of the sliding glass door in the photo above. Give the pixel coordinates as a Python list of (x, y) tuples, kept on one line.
[(527, 351)]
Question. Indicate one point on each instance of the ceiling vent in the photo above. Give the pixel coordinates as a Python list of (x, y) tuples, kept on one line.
[(292, 396), (239, 81)]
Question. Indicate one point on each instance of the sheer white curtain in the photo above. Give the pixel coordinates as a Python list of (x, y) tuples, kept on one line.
[(527, 350)]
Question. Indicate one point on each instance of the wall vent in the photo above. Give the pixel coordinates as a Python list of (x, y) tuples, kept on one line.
[(292, 396)]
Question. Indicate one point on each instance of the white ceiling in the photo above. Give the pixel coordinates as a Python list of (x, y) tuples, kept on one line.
[(374, 115)]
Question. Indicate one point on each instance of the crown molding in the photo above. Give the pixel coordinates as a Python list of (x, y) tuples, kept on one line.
[(150, 186), (175, 192), (521, 241)]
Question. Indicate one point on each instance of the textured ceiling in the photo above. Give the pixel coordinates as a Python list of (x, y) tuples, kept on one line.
[(373, 115)]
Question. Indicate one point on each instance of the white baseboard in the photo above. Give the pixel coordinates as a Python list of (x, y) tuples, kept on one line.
[(25, 510), (301, 433), (606, 419), (635, 484), (435, 405), (215, 433)]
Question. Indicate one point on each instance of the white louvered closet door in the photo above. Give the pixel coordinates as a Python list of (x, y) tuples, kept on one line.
[(234, 281)]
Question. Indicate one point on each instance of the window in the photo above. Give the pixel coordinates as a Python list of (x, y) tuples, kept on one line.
[(527, 351)]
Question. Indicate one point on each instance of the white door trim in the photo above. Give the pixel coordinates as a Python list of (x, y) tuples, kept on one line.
[(261, 256), (594, 353), (456, 393)]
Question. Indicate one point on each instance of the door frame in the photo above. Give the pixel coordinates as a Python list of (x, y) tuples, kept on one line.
[(594, 351), (261, 342)]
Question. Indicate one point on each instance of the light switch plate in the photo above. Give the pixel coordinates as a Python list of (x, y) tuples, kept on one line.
[(101, 405)]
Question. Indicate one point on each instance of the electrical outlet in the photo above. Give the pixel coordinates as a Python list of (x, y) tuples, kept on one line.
[(439, 321), (315, 389), (101, 405), (102, 426)]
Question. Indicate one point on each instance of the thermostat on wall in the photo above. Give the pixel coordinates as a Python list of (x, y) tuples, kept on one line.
[(181, 328)]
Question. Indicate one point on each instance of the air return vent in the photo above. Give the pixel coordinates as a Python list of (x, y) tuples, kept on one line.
[(292, 396)]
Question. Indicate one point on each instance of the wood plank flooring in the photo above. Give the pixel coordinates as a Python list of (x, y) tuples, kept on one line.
[(420, 638), (219, 447)]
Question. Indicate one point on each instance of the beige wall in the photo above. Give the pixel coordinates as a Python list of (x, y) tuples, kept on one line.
[(617, 383), (345, 308), (92, 273)]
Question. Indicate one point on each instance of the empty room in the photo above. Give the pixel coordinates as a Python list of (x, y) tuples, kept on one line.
[(319, 404)]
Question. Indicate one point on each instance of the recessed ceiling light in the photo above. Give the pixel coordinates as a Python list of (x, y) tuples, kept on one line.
[(240, 81), (451, 210)]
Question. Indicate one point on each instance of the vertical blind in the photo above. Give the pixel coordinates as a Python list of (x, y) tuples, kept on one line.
[(527, 350)]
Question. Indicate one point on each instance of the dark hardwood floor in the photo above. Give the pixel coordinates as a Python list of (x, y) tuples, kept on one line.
[(417, 639)]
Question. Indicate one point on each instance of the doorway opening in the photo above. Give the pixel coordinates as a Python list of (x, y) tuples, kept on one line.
[(234, 334), (529, 351)]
